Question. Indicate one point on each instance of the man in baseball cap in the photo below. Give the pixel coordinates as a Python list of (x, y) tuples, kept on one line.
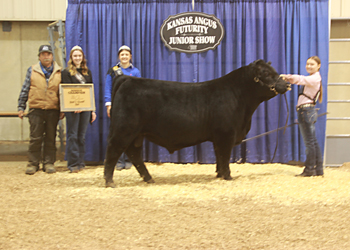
[(45, 48), (41, 90)]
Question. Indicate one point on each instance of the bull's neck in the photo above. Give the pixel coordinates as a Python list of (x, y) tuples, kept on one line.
[(245, 88)]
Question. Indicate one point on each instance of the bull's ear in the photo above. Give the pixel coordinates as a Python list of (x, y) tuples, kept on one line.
[(269, 63), (258, 61)]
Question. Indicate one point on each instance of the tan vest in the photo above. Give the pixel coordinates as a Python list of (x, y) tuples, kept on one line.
[(44, 95)]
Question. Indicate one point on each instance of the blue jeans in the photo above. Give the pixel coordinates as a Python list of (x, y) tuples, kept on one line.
[(76, 128), (307, 118), (123, 162)]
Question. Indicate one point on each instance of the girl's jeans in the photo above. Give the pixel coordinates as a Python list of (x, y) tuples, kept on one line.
[(76, 128), (307, 117)]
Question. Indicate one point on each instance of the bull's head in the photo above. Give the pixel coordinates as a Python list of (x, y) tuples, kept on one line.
[(267, 76)]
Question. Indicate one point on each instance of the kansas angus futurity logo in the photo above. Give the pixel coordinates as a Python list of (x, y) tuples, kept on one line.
[(192, 32)]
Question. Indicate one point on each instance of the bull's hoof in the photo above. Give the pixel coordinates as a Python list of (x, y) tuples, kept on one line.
[(110, 184), (218, 175), (148, 180), (228, 178)]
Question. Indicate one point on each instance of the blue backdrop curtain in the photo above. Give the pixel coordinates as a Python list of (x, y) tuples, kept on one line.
[(285, 32)]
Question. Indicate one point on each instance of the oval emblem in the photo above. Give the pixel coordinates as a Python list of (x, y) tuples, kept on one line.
[(192, 32)]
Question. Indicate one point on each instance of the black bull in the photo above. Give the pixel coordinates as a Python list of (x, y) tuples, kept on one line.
[(175, 115)]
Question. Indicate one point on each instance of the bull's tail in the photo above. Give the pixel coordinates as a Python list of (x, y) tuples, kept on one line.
[(117, 82)]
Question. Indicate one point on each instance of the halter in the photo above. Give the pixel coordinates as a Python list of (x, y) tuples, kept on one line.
[(272, 87)]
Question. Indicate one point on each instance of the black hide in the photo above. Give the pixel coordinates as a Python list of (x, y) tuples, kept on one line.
[(177, 115)]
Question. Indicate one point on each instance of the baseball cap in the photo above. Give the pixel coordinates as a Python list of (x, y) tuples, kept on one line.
[(45, 48), (124, 47)]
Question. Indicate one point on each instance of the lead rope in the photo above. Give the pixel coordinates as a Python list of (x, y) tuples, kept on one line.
[(285, 126)]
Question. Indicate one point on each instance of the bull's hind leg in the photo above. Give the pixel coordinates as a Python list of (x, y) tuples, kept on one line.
[(223, 153), (134, 153)]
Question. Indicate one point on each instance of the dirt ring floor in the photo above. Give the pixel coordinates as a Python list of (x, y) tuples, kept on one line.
[(264, 207)]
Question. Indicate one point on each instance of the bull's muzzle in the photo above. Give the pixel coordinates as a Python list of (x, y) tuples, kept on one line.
[(282, 86)]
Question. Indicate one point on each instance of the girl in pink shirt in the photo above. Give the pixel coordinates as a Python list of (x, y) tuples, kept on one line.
[(310, 92)]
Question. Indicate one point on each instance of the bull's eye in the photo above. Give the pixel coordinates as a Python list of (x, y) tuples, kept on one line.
[(266, 75)]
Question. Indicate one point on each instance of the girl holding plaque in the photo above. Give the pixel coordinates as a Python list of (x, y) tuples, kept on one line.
[(77, 72)]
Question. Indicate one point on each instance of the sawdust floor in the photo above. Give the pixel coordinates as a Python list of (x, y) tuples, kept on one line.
[(264, 207)]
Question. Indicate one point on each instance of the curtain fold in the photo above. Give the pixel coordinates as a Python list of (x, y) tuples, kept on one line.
[(284, 32)]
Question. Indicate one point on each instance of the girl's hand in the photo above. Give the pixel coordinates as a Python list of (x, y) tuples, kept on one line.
[(93, 116), (108, 111), (283, 76)]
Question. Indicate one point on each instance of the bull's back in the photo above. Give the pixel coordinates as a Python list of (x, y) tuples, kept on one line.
[(170, 114), (174, 114), (163, 97)]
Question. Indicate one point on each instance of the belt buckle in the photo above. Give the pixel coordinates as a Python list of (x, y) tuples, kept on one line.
[(305, 105)]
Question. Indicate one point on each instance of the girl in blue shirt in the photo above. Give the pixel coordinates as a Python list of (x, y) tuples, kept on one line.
[(125, 56)]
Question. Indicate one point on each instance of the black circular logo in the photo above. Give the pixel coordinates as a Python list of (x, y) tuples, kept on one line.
[(192, 32)]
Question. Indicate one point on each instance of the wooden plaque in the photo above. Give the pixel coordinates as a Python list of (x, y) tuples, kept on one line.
[(77, 97)]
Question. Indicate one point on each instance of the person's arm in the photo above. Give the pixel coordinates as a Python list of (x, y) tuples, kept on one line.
[(23, 96), (108, 93), (93, 113), (138, 74), (310, 80), (65, 77), (88, 78)]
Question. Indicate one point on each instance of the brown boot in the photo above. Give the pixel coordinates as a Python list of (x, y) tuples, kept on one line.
[(31, 169), (307, 173), (319, 171), (49, 168)]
